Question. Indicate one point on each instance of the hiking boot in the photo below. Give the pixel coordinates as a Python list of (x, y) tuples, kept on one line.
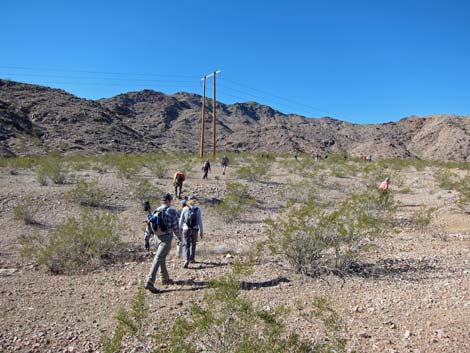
[(186, 264), (152, 288)]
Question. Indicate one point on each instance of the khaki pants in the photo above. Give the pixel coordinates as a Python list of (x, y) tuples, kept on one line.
[(163, 245)]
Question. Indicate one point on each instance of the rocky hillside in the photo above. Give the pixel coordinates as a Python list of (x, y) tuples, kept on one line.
[(36, 119)]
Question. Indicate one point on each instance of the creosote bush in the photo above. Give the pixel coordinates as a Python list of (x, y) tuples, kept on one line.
[(25, 210), (256, 170), (316, 240), (237, 201), (86, 193), (143, 190), (224, 323), (76, 245), (51, 168)]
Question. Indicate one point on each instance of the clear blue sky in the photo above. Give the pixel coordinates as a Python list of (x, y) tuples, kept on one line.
[(361, 61)]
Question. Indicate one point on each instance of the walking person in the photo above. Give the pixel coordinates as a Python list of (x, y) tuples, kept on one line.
[(224, 164), (191, 225), (168, 216), (178, 180), (206, 167), (385, 185)]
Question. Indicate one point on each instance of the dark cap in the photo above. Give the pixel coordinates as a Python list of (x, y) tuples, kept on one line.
[(167, 197)]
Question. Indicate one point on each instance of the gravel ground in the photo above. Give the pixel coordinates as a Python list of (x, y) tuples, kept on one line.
[(416, 297)]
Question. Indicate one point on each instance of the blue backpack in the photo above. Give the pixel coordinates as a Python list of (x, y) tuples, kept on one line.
[(156, 222)]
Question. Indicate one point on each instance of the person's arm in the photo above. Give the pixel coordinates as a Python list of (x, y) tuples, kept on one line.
[(199, 223)]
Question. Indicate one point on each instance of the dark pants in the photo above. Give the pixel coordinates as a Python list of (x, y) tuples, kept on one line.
[(205, 173), (189, 244), (180, 186)]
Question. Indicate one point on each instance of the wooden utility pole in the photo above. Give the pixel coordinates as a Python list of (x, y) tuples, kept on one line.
[(214, 114), (201, 146), (213, 119)]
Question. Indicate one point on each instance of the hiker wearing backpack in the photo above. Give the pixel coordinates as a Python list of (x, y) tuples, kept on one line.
[(178, 180), (206, 167), (164, 223), (224, 164), (190, 225)]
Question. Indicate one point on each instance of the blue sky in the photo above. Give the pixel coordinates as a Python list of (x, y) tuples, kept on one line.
[(359, 61)]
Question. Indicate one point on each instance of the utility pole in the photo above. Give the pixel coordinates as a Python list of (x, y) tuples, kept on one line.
[(214, 102), (201, 145), (214, 114)]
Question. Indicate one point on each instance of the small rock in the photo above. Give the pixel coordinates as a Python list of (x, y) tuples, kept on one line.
[(407, 334)]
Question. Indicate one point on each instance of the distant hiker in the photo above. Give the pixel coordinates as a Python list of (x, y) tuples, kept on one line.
[(190, 225), (369, 158), (206, 167), (384, 185), (296, 158), (167, 219), (178, 181), (224, 164)]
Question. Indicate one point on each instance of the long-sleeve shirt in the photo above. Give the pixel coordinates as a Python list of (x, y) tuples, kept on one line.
[(184, 215), (384, 185)]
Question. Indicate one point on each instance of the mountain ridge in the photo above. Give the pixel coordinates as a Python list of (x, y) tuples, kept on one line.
[(37, 119)]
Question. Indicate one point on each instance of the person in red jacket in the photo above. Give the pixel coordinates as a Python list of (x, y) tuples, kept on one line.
[(178, 181)]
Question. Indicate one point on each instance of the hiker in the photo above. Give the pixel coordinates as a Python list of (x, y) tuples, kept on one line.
[(384, 185), (169, 216), (369, 158), (190, 225), (206, 167), (178, 180), (224, 164)]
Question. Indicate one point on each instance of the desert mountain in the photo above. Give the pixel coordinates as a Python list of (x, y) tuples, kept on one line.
[(36, 119)]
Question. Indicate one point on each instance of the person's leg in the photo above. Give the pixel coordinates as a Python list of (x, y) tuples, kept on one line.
[(193, 239), (163, 249), (186, 246)]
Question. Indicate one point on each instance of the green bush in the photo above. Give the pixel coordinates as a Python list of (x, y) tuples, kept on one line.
[(25, 210), (86, 194), (237, 201), (463, 187), (224, 323), (77, 245), (51, 168), (423, 217), (143, 190), (445, 179), (315, 240), (256, 170)]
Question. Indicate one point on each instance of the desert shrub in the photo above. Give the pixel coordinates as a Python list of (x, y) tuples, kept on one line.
[(224, 322), (237, 201), (51, 168), (422, 218), (255, 170), (86, 193), (143, 190), (463, 187), (315, 240), (445, 179), (127, 166), (25, 210), (76, 245)]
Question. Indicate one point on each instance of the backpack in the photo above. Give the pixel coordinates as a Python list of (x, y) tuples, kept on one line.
[(156, 222), (179, 178), (191, 217)]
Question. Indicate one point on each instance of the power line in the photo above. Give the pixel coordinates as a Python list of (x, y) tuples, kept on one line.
[(95, 72), (278, 97)]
